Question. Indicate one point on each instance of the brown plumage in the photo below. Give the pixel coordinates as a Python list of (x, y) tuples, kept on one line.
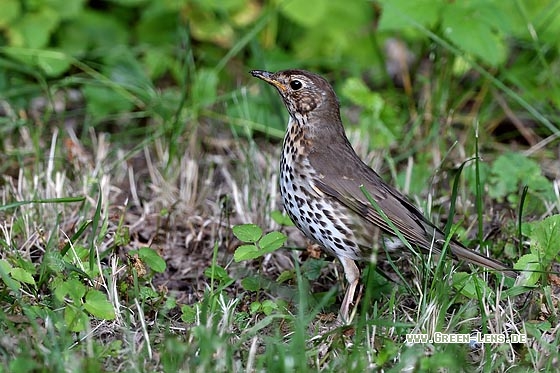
[(320, 179)]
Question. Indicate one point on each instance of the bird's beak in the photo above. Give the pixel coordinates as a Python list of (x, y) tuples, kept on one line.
[(267, 77)]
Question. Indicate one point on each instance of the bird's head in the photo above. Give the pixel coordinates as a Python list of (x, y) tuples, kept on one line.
[(305, 94)]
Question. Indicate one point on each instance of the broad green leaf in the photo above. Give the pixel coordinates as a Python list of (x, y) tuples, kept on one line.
[(531, 264), (33, 30), (103, 101), (255, 307), (54, 261), (272, 241), (356, 90), (67, 9), (512, 170), (205, 25), (205, 87), (5, 269), (147, 293), (472, 35), (75, 319), (251, 283), (312, 268), (402, 14), (246, 252), (72, 287), (5, 266), (471, 285), (188, 314), (545, 239), (285, 276), (247, 232), (268, 307), (152, 259), (97, 29), (158, 29), (307, 13), (22, 275), (218, 273), (11, 9), (97, 304), (281, 219), (75, 289)]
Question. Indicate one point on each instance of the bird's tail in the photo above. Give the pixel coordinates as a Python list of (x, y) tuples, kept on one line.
[(460, 252)]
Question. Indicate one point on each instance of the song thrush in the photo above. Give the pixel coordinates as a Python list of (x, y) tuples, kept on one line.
[(320, 179)]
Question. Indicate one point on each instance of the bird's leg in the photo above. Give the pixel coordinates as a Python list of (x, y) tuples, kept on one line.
[(352, 274)]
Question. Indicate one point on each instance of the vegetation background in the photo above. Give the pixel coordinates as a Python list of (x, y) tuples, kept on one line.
[(140, 226)]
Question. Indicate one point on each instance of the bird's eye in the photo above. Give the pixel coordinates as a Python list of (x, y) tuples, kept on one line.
[(295, 85)]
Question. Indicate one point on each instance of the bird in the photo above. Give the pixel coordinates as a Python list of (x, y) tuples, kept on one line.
[(322, 184)]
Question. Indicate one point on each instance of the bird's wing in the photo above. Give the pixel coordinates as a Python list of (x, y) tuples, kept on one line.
[(343, 183), (403, 215)]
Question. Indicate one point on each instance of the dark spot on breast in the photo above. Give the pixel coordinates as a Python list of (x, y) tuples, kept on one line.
[(340, 246), (348, 242)]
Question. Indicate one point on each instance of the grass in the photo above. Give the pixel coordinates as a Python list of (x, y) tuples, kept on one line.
[(90, 209)]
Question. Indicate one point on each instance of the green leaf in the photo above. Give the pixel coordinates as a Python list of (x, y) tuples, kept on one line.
[(312, 268), (272, 241), (545, 236), (205, 87), (72, 287), (531, 264), (472, 35), (255, 307), (251, 283), (147, 293), (268, 307), (99, 30), (356, 90), (471, 285), (188, 314), (218, 272), (373, 113), (307, 13), (398, 15), (511, 170), (75, 318), (5, 269), (246, 252), (67, 9), (54, 261), (247, 232), (22, 275), (158, 28), (152, 259), (97, 304), (11, 10), (286, 276), (281, 219), (33, 30), (102, 101)]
